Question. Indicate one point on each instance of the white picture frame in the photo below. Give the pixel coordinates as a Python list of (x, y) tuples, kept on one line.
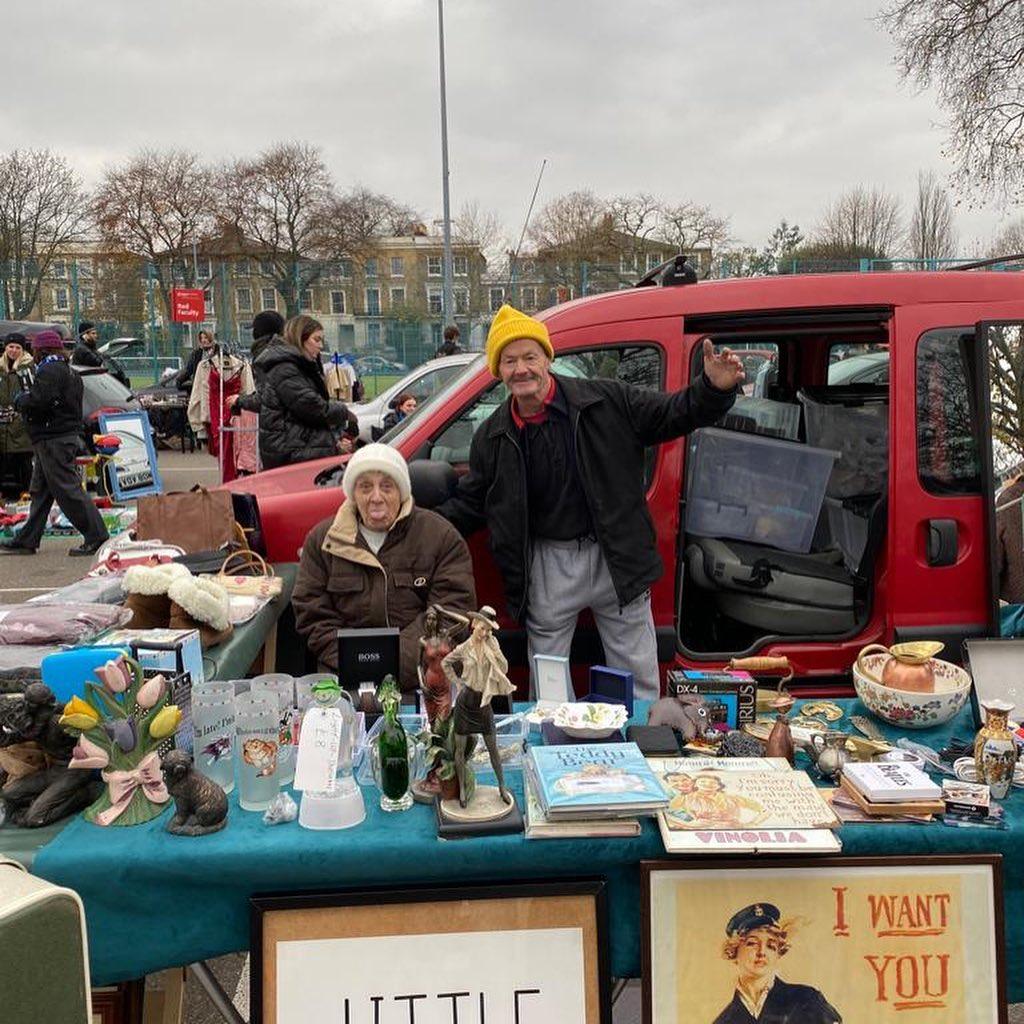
[(552, 680)]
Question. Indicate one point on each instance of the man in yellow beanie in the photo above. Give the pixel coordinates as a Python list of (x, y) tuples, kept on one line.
[(557, 475)]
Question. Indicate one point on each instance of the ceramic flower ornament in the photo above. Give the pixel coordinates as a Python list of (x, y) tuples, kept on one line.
[(120, 723)]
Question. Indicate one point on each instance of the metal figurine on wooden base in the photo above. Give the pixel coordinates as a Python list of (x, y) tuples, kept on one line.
[(482, 676)]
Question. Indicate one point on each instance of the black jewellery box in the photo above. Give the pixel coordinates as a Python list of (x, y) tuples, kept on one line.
[(366, 656)]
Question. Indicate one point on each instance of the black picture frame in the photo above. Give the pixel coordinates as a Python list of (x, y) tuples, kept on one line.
[(842, 867), (261, 905)]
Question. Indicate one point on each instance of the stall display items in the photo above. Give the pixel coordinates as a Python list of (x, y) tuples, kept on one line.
[(909, 667), (478, 666), (329, 800), (995, 750), (37, 785), (611, 685), (213, 741), (742, 806), (539, 826), (200, 805), (256, 735), (367, 656), (595, 780), (736, 691), (884, 788), (997, 668), (393, 753), (853, 939), (552, 680), (687, 714), (120, 725), (828, 752), (435, 644)]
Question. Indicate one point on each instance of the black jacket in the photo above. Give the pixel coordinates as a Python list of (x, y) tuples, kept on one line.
[(251, 402), (786, 1004), (52, 407), (86, 355), (187, 373), (612, 423), (298, 421)]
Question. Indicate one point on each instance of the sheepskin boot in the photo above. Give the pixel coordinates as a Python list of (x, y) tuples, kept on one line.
[(146, 589), (202, 604)]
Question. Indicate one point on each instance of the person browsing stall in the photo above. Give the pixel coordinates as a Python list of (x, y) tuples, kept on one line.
[(52, 408), (381, 561), (557, 475), (15, 444)]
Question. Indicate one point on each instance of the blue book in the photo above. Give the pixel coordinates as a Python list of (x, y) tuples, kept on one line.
[(592, 780)]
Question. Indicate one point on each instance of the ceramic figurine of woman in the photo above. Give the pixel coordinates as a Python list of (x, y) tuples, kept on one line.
[(435, 644), (482, 677)]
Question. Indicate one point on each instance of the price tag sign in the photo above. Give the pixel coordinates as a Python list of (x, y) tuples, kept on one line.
[(319, 749)]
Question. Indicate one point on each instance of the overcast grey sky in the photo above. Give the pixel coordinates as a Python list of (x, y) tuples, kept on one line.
[(760, 110)]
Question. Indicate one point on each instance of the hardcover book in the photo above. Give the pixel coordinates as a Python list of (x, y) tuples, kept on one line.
[(884, 782), (595, 780), (540, 826)]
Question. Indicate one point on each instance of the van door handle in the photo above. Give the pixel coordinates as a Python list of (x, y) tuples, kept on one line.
[(943, 542)]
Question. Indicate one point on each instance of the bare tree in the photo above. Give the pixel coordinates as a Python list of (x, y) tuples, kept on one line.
[(973, 52), (156, 206), (43, 210), (482, 228), (570, 233), (355, 222), (690, 225), (931, 235), (862, 220), (1009, 241), (279, 205), (636, 220)]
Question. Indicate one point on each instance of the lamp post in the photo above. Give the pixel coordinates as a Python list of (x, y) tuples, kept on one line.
[(447, 303)]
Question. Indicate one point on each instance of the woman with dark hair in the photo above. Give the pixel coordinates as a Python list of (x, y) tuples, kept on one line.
[(401, 406), (298, 421)]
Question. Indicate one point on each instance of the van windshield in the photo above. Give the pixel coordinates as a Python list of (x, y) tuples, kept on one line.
[(456, 384)]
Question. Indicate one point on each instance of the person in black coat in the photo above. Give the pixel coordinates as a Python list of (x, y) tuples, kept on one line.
[(86, 353), (207, 343), (52, 409), (756, 942), (298, 421)]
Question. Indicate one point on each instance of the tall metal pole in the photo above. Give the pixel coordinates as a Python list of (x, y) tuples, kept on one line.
[(448, 305)]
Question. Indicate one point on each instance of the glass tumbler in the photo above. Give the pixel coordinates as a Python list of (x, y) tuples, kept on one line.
[(257, 727), (282, 688), (213, 722)]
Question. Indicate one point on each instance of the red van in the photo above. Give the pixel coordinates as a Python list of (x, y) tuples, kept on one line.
[(881, 378)]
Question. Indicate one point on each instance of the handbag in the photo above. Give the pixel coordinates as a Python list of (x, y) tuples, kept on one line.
[(246, 574), (196, 520), (114, 558)]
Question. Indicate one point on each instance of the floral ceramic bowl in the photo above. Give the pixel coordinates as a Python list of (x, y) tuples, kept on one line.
[(912, 710), (589, 721)]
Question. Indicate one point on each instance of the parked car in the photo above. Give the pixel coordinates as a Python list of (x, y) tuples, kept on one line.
[(919, 505), (424, 381), (369, 366)]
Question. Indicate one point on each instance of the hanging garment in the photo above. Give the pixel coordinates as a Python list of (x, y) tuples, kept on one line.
[(222, 442), (199, 399), (247, 426), (339, 376)]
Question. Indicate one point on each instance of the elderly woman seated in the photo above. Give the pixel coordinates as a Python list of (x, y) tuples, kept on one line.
[(381, 561)]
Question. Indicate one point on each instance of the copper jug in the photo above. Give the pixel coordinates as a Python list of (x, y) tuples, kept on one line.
[(909, 666)]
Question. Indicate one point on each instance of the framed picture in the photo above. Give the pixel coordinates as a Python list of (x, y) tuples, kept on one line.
[(552, 679), (118, 1004), (133, 469), (821, 941), (532, 951)]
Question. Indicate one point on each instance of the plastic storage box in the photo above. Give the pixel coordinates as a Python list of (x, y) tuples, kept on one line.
[(768, 417), (757, 489), (859, 431), (848, 528)]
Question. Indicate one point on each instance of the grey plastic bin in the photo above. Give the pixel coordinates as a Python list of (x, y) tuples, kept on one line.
[(757, 489), (860, 434)]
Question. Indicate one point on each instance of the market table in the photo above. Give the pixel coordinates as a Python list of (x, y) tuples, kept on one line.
[(230, 660), (153, 900)]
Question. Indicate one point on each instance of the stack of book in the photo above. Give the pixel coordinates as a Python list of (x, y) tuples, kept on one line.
[(588, 789), (890, 789), (742, 805)]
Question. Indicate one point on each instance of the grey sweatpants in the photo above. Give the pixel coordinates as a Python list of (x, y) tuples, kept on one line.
[(565, 578)]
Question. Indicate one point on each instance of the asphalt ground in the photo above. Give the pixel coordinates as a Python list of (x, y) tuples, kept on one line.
[(22, 577)]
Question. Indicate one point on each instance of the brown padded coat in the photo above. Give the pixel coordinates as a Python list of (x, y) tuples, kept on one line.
[(342, 584)]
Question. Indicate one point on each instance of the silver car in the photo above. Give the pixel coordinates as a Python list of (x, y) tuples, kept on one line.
[(423, 382)]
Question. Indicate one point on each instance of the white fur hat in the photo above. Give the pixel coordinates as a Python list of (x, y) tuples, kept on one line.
[(379, 458)]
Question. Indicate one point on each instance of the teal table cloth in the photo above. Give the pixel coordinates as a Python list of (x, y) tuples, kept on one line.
[(153, 900)]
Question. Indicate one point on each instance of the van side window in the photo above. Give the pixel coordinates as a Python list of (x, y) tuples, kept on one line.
[(948, 461), (639, 365)]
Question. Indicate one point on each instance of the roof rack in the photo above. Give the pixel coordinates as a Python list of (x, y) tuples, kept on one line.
[(991, 262), (673, 272)]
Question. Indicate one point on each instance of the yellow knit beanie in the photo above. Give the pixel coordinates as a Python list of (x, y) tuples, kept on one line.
[(511, 325)]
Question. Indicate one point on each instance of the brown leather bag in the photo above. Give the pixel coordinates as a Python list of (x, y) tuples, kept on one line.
[(196, 520)]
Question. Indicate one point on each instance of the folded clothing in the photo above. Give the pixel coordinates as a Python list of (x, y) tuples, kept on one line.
[(58, 623)]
